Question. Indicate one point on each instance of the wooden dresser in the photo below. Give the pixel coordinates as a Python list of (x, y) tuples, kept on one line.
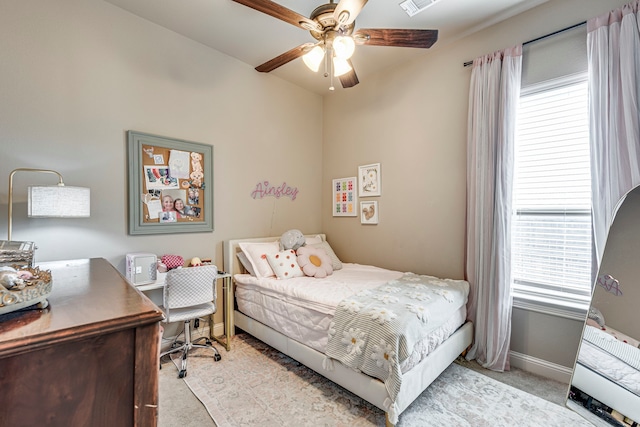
[(89, 359)]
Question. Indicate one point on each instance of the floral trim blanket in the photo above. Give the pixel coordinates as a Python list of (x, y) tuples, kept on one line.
[(374, 331)]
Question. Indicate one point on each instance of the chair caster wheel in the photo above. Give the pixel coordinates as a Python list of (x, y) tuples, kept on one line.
[(217, 357), (182, 373)]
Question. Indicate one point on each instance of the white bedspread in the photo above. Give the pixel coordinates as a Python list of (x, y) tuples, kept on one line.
[(303, 308), (322, 295)]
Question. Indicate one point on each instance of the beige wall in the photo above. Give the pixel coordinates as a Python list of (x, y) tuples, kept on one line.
[(413, 121), (620, 260), (76, 75)]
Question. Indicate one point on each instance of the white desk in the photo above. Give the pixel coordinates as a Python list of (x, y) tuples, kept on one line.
[(227, 309), (158, 284)]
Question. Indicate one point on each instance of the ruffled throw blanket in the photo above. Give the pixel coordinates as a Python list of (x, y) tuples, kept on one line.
[(374, 331)]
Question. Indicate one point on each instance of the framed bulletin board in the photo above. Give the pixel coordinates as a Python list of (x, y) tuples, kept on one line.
[(170, 185)]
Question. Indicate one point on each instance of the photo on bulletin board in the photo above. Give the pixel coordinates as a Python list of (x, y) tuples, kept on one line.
[(170, 185), (345, 197)]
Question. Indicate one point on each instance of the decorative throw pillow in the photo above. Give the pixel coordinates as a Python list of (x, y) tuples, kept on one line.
[(284, 264), (335, 261), (246, 263), (172, 261), (314, 262), (313, 240), (257, 253)]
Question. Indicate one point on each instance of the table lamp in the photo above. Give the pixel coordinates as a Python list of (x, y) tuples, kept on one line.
[(21, 285), (55, 201)]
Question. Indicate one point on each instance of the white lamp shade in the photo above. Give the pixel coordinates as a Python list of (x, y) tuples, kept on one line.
[(344, 46), (340, 66), (58, 201), (313, 58)]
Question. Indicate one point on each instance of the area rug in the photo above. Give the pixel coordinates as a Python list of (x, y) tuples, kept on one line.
[(256, 385)]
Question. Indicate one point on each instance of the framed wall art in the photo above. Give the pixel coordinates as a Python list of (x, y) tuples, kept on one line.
[(368, 212), (345, 197), (369, 180), (170, 185)]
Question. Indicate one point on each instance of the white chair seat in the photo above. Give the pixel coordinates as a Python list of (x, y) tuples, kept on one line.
[(187, 313)]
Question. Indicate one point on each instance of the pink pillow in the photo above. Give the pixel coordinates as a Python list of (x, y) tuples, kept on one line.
[(172, 261)]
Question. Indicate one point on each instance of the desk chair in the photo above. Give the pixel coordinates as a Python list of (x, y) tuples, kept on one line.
[(189, 293)]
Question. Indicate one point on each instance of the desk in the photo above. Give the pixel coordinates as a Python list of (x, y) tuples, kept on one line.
[(227, 307), (90, 358)]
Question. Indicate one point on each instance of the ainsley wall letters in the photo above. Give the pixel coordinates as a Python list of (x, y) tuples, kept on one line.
[(264, 189)]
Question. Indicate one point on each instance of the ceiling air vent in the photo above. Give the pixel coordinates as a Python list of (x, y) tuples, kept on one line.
[(413, 7)]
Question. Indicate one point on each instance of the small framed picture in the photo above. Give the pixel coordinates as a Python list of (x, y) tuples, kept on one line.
[(369, 180), (368, 212), (345, 197)]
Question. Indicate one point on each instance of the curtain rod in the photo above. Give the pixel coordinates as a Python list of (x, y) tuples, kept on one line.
[(466, 64)]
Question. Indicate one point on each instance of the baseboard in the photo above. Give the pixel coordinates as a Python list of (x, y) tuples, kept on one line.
[(202, 331), (540, 367), (218, 329)]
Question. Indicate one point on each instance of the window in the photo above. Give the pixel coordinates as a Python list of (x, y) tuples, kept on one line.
[(551, 234)]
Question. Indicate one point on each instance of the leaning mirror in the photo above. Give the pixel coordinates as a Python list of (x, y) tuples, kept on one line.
[(605, 386)]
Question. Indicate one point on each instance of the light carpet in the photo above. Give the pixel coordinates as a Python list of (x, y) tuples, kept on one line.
[(256, 385)]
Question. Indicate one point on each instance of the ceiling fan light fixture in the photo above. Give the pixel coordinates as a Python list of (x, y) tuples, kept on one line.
[(343, 17), (313, 58), (344, 46), (307, 26), (361, 38), (340, 66)]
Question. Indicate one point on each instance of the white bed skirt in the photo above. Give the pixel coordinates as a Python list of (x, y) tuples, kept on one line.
[(414, 382)]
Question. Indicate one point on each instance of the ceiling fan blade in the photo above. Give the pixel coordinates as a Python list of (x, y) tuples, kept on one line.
[(285, 58), (347, 10), (280, 12), (396, 37), (349, 79)]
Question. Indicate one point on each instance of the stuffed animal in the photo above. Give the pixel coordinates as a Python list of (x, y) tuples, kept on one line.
[(292, 239)]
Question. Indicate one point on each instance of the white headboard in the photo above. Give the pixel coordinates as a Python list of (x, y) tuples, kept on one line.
[(232, 264)]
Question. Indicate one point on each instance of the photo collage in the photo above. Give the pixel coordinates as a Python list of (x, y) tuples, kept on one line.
[(173, 184)]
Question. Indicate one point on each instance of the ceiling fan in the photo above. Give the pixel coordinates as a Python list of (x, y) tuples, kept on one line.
[(333, 26)]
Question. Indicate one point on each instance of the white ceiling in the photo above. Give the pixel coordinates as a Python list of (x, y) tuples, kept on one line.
[(254, 38)]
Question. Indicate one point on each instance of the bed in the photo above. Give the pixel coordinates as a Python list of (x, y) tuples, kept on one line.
[(608, 369), (299, 321)]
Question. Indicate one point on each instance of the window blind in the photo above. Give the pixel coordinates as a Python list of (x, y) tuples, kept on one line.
[(551, 235)]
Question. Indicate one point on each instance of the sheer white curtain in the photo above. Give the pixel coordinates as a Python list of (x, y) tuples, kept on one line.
[(493, 98), (613, 49)]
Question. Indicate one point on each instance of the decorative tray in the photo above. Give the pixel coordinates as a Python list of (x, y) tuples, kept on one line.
[(25, 292)]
